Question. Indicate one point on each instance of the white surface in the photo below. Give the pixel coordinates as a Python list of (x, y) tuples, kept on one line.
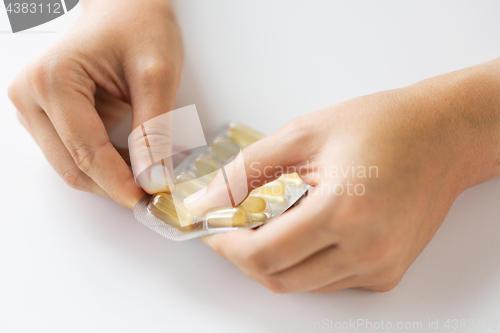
[(74, 262)]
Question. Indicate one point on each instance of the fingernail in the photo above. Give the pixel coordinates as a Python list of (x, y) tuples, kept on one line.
[(195, 196), (160, 175)]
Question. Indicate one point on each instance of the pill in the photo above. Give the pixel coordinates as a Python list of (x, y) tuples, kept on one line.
[(228, 218), (224, 149), (258, 217), (292, 179), (254, 204), (172, 212), (290, 175), (274, 200), (275, 188), (242, 135), (205, 165)]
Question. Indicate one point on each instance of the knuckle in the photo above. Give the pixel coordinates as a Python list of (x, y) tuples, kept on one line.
[(294, 126), (13, 93), (85, 156), (45, 71), (155, 70), (73, 178), (275, 284), (37, 72), (257, 263)]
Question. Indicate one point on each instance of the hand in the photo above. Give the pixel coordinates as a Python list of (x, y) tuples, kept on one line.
[(122, 56), (413, 150)]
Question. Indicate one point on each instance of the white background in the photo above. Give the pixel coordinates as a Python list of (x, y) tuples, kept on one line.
[(74, 262)]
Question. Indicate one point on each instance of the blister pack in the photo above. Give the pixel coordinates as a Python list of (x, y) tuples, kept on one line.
[(165, 212)]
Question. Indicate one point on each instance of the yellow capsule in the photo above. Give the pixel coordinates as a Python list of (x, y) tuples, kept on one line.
[(172, 212), (205, 165), (258, 217), (243, 135), (274, 200), (291, 175), (185, 185), (228, 218), (292, 179), (254, 204), (275, 188), (224, 149)]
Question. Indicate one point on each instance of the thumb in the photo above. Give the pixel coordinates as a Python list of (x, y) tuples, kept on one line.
[(150, 141), (256, 165)]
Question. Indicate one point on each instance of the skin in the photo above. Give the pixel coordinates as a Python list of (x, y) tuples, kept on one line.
[(429, 141), (122, 56)]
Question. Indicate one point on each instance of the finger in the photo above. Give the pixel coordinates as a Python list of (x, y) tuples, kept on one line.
[(68, 102), (153, 91), (41, 129), (329, 266), (150, 146), (259, 163), (280, 244)]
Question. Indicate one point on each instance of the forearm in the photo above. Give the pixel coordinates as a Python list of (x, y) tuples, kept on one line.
[(465, 107)]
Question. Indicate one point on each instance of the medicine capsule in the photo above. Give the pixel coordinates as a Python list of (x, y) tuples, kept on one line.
[(242, 135), (205, 165), (172, 212), (224, 149), (274, 200), (258, 217), (292, 179), (275, 188), (254, 204), (228, 218)]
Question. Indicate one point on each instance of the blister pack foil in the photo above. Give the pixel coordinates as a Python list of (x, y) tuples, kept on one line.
[(165, 213)]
